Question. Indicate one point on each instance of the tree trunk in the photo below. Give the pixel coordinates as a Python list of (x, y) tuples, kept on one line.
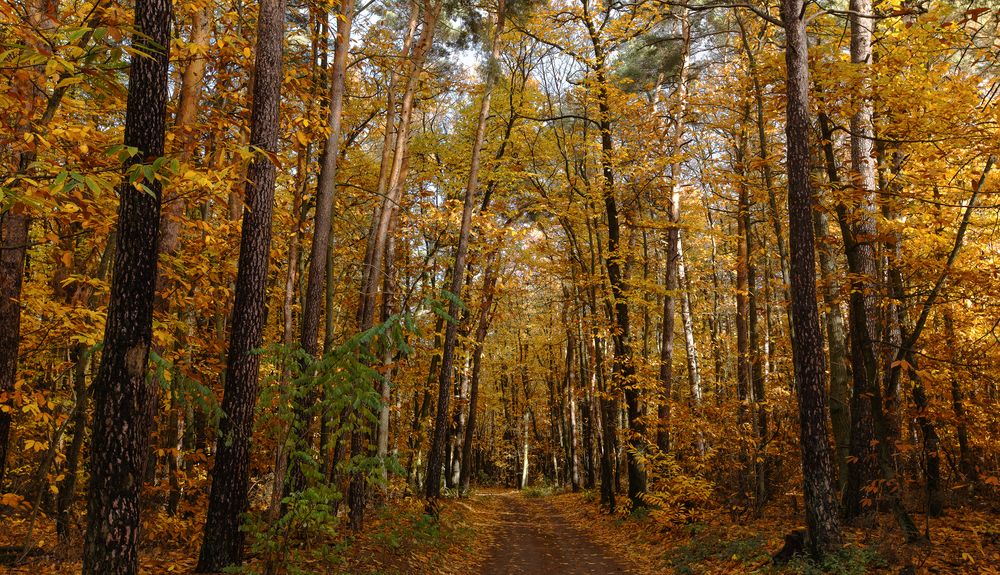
[(82, 360), (822, 516), (13, 246), (966, 457), (326, 185), (120, 437), (223, 539), (434, 458), (670, 280), (391, 180), (15, 224), (836, 334)]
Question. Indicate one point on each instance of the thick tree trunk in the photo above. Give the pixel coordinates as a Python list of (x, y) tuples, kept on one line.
[(223, 541), (822, 514), (15, 224), (120, 438), (13, 246)]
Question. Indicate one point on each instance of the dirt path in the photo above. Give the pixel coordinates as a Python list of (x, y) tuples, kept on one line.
[(533, 538)]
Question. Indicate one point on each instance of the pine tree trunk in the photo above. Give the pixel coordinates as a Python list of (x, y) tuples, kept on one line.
[(120, 438), (822, 514), (222, 545), (13, 246)]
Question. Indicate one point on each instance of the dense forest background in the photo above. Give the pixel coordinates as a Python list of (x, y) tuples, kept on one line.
[(277, 275)]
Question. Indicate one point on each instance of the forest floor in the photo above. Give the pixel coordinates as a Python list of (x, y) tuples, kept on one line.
[(531, 535), (505, 532), (963, 542)]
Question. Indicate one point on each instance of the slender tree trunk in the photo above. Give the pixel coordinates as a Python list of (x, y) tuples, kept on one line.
[(766, 172), (434, 459), (822, 514), (690, 345), (373, 268), (836, 334), (966, 457), (170, 227), (82, 360), (67, 487), (326, 185), (15, 224), (222, 545), (482, 327), (863, 469), (670, 281), (742, 312), (120, 438)]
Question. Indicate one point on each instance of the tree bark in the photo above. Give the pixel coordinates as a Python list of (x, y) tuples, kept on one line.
[(15, 224), (222, 545), (836, 334), (120, 438), (670, 280), (822, 514)]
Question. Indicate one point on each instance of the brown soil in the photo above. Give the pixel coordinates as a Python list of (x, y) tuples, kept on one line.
[(532, 537)]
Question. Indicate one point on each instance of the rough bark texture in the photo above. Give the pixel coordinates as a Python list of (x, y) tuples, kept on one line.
[(122, 418), (223, 541), (822, 514), (836, 335)]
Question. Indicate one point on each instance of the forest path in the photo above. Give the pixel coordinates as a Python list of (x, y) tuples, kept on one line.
[(532, 537)]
